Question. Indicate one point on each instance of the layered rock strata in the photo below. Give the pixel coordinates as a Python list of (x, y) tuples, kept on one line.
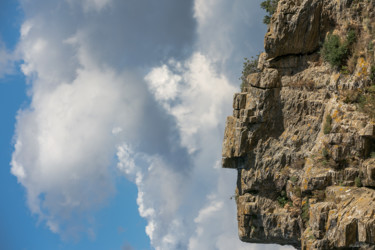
[(305, 157)]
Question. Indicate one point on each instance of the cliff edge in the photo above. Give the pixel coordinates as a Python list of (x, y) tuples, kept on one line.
[(302, 133)]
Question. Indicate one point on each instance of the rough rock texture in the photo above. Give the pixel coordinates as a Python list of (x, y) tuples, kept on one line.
[(305, 156), (296, 23)]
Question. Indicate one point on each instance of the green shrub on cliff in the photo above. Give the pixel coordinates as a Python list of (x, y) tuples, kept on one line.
[(282, 199), (333, 51), (327, 127), (305, 215), (249, 66), (372, 73), (366, 103), (336, 52), (325, 153), (357, 182), (351, 38), (270, 7)]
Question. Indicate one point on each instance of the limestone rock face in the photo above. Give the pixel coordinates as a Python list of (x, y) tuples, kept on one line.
[(345, 219), (298, 26), (268, 78), (295, 28), (305, 156)]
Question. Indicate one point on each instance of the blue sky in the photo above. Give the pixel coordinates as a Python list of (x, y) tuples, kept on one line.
[(112, 119)]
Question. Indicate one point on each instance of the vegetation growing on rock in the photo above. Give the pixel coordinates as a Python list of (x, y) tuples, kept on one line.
[(282, 199), (327, 124), (372, 73), (249, 66), (335, 51), (270, 7), (357, 182), (305, 216)]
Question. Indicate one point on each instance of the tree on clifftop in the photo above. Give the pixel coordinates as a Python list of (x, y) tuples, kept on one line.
[(270, 7)]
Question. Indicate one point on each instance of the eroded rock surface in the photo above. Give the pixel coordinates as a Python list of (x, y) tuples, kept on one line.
[(295, 23), (305, 156)]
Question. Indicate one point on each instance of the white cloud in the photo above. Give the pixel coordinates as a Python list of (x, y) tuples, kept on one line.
[(200, 106), (65, 140), (228, 31), (161, 192), (65, 144), (95, 4), (91, 5), (201, 93), (94, 96), (7, 60), (163, 83)]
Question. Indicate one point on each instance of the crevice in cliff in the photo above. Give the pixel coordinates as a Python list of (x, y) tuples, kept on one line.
[(369, 187), (300, 55), (291, 64), (234, 162), (263, 88), (368, 147)]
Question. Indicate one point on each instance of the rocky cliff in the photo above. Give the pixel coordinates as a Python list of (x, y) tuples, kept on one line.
[(302, 133)]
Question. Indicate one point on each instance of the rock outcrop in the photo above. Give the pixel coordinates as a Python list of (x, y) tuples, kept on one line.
[(295, 23), (301, 137)]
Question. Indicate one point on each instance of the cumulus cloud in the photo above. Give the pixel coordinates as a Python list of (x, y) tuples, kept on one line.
[(83, 104), (161, 192), (7, 60), (170, 199), (64, 143), (199, 105), (95, 4), (199, 96), (228, 31), (152, 89)]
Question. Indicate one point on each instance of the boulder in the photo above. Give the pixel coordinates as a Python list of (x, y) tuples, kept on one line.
[(294, 28)]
